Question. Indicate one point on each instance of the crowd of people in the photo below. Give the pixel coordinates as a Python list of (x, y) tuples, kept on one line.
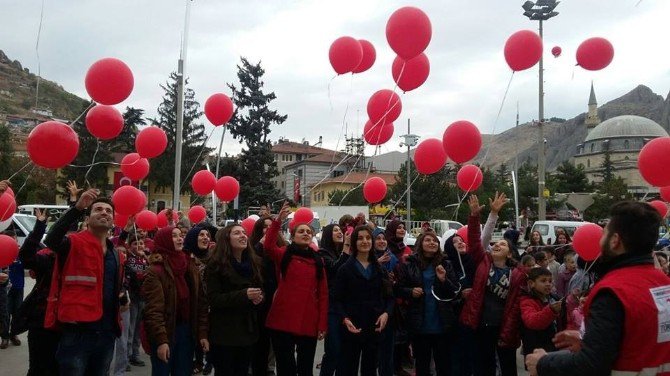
[(197, 298)]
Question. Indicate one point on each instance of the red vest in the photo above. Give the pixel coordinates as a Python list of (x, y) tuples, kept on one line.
[(76, 290), (644, 293)]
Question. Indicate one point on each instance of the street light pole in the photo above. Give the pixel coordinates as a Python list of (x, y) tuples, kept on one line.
[(180, 110), (410, 140)]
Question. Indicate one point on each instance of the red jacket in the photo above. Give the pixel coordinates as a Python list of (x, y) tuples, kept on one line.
[(645, 346), (472, 310), (75, 295), (539, 324), (300, 305)]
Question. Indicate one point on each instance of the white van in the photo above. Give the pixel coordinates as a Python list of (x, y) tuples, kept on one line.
[(548, 229)]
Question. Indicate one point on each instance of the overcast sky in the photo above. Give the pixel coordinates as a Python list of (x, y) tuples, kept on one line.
[(468, 72)]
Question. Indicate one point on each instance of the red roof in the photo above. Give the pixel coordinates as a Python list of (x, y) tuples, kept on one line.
[(289, 147)]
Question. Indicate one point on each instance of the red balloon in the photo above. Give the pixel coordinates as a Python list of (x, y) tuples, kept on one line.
[(197, 214), (654, 160), (345, 54), (291, 225), (109, 81), (384, 106), (9, 191), (660, 206), (151, 142), (146, 220), (248, 225), (104, 122), (7, 206), (462, 141), (379, 134), (595, 54), (586, 241), (523, 49), (665, 193), (135, 167), (163, 219), (52, 145), (556, 51), (203, 182), (9, 250), (374, 189), (303, 215), (463, 233), (227, 188), (408, 32), (219, 109), (369, 56), (429, 156), (120, 220), (412, 73), (129, 200), (469, 178)]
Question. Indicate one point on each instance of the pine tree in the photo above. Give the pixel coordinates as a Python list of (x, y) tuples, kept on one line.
[(251, 125), (568, 178), (193, 136), (607, 167), (133, 118)]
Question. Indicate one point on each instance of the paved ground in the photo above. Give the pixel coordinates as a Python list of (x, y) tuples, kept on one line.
[(14, 359)]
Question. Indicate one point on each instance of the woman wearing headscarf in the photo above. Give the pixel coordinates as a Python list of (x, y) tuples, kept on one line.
[(175, 314), (335, 251), (234, 290), (299, 311), (388, 261), (395, 237), (364, 298)]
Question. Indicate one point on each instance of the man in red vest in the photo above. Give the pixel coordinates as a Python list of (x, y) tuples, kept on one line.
[(84, 296), (627, 313)]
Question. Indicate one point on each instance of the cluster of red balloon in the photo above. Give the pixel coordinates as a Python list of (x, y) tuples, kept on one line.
[(7, 204), (348, 54), (226, 188), (384, 107)]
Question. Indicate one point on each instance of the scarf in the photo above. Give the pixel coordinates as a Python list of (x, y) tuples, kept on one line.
[(178, 262), (294, 250), (395, 244), (243, 267)]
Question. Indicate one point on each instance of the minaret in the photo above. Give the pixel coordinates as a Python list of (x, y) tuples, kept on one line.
[(592, 118)]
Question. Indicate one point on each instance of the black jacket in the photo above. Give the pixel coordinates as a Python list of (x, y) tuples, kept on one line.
[(604, 331), (410, 275), (359, 299), (332, 263)]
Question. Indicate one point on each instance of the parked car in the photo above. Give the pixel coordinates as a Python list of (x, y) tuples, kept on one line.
[(548, 228), (21, 224)]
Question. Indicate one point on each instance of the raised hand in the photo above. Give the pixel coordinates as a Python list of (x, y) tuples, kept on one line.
[(42, 214), (87, 199), (473, 202), (284, 212), (71, 186), (498, 202)]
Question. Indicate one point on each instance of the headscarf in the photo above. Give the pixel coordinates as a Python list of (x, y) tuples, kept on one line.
[(327, 241), (395, 244), (178, 262), (191, 242)]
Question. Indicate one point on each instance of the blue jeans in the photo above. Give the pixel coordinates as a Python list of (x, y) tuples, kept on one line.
[(331, 354), (180, 361), (136, 308), (121, 353), (85, 352)]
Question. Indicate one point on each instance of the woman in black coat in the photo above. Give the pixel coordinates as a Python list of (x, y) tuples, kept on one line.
[(364, 298), (428, 282), (234, 280)]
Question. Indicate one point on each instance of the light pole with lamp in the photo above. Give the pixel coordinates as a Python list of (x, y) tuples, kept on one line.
[(540, 10), (410, 140)]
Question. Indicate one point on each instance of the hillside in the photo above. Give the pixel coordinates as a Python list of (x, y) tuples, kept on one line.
[(17, 93), (563, 138)]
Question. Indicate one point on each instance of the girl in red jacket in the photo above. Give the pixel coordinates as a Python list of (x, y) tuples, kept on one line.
[(299, 311), (492, 308)]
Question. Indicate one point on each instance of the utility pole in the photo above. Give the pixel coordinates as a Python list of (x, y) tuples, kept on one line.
[(410, 140)]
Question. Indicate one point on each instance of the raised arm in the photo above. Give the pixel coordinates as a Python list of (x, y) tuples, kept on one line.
[(498, 201), (32, 243), (270, 244), (475, 248), (56, 239)]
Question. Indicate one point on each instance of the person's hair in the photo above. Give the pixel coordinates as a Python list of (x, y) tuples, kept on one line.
[(540, 256), (526, 258), (372, 259), (423, 260), (549, 249), (535, 273), (531, 238), (133, 236), (568, 240), (571, 254), (637, 225), (221, 259), (104, 200), (345, 220), (327, 241), (257, 233)]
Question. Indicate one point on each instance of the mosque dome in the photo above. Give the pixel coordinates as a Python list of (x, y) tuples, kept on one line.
[(626, 126)]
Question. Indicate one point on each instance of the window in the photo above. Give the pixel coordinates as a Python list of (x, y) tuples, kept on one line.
[(337, 173), (592, 146), (626, 144), (588, 163)]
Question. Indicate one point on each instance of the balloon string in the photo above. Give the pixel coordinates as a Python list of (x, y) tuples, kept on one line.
[(37, 52), (401, 197), (367, 173), (17, 172), (204, 144), (330, 100), (82, 114), (327, 174), (97, 148), (100, 163)]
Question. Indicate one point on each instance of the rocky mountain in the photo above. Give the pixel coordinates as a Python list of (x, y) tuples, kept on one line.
[(563, 137), (18, 94)]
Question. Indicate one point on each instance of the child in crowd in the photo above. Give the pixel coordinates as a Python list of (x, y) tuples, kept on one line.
[(576, 317), (539, 312), (565, 276), (528, 261), (541, 259), (552, 264)]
